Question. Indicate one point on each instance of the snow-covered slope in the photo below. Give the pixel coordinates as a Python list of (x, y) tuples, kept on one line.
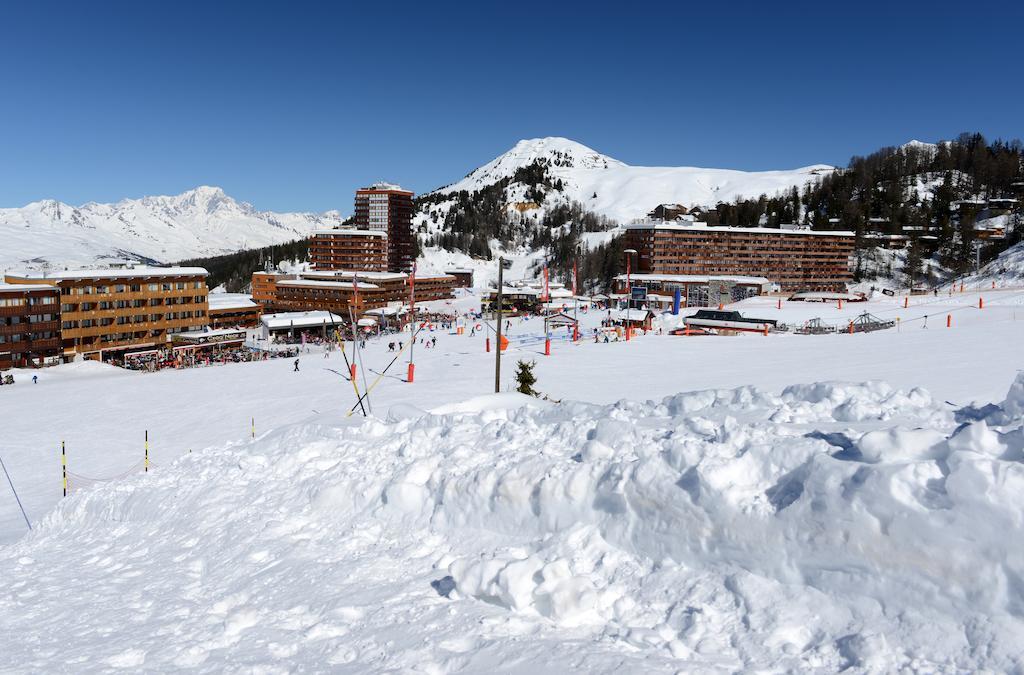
[(200, 222), (624, 192), (828, 527)]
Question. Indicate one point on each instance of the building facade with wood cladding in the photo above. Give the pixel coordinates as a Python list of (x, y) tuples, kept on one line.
[(29, 325), (349, 249), (234, 310), (336, 291), (264, 287), (384, 207), (796, 260), (105, 312)]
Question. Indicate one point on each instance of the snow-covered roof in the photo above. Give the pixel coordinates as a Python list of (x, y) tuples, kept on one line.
[(385, 311), (230, 301), (351, 231), (300, 319), (693, 278), (382, 186), (210, 332), (701, 227), (630, 314), (311, 283), (135, 272), (25, 287), (348, 274), (432, 275)]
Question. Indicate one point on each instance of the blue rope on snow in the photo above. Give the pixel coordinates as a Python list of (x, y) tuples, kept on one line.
[(16, 497)]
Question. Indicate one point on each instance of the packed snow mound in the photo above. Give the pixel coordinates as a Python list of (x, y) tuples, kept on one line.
[(622, 192), (200, 222), (831, 526)]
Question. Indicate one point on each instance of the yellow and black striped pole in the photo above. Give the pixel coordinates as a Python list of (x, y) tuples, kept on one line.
[(64, 467), (145, 467)]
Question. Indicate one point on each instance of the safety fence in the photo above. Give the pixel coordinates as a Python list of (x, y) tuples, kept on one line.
[(73, 481)]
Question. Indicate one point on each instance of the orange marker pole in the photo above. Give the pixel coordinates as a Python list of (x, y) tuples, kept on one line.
[(412, 368), (906, 302), (949, 321), (981, 303), (851, 328)]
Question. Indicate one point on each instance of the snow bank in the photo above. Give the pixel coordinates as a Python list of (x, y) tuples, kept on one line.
[(831, 526)]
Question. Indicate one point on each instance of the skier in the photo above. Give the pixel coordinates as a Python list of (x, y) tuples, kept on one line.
[(296, 366), (35, 379)]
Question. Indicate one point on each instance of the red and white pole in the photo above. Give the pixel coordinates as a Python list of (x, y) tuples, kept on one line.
[(412, 322)]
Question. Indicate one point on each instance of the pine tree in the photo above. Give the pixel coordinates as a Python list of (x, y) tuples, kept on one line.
[(525, 379)]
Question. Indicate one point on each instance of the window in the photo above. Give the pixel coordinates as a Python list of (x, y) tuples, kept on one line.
[(136, 288)]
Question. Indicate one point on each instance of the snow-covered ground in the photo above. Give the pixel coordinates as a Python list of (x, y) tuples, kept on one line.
[(814, 502)]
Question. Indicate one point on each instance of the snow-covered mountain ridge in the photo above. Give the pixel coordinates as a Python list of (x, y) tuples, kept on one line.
[(609, 187), (200, 222)]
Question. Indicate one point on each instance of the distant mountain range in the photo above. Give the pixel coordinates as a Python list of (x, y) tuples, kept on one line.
[(206, 222), (200, 222)]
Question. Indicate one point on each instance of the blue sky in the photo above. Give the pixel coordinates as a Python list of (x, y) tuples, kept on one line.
[(291, 106)]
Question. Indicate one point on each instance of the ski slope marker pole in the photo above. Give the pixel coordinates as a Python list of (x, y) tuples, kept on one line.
[(145, 466), (64, 467)]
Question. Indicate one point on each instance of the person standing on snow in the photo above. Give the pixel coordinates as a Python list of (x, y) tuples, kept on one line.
[(296, 366)]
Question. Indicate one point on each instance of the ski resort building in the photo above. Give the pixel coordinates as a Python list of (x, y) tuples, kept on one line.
[(29, 325), (292, 324), (264, 287), (228, 310), (463, 277), (349, 249), (336, 291), (793, 259), (108, 312), (694, 290), (388, 208)]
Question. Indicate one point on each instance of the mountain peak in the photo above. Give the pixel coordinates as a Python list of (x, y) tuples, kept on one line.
[(554, 151)]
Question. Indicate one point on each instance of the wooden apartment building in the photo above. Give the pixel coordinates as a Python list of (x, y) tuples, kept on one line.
[(334, 291), (29, 325), (349, 249), (796, 260), (104, 312)]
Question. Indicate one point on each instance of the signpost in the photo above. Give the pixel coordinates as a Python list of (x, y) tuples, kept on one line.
[(637, 296)]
